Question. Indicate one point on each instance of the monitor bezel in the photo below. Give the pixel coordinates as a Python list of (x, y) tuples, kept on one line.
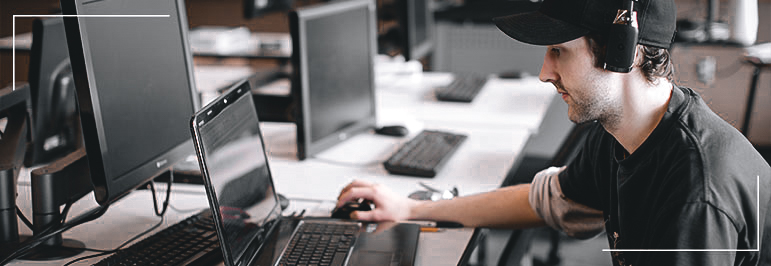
[(306, 147), (108, 189), (412, 49)]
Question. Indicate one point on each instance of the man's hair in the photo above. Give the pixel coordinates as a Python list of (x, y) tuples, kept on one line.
[(655, 63)]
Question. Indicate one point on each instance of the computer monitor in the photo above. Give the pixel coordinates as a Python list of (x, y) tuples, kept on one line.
[(55, 127), (14, 107), (416, 23), (333, 72), (256, 8), (135, 89)]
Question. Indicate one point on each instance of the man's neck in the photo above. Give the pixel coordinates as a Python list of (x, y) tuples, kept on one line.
[(644, 105)]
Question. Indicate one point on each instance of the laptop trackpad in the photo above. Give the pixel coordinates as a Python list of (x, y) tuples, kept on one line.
[(387, 244), (375, 258)]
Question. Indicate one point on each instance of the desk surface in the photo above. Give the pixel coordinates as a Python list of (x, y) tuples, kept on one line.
[(113, 228), (479, 165), (501, 104), (498, 123)]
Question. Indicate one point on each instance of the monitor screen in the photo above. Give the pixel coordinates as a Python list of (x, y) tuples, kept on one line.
[(416, 21), (231, 148), (55, 129), (333, 80), (135, 89)]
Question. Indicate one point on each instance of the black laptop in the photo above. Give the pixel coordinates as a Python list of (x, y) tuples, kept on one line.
[(246, 209)]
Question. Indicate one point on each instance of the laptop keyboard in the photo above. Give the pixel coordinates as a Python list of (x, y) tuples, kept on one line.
[(320, 243), (193, 240), (425, 154)]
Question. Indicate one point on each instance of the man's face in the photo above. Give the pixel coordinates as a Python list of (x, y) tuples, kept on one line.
[(588, 90)]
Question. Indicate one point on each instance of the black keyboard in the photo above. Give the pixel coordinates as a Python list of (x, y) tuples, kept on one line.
[(425, 154), (320, 243), (463, 88), (191, 241)]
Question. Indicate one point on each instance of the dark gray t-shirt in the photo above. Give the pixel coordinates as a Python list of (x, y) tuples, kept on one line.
[(693, 184)]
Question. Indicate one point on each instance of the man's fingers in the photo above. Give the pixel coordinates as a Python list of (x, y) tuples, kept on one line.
[(355, 193), (355, 183), (373, 215)]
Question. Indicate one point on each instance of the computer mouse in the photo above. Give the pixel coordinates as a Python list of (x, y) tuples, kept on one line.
[(344, 212), (394, 131)]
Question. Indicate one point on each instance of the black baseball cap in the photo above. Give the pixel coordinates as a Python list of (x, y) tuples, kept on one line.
[(558, 21)]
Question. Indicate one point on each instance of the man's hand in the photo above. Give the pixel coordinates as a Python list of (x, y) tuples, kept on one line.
[(388, 205)]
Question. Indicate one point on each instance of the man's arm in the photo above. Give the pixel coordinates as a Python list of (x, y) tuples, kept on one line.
[(504, 207)]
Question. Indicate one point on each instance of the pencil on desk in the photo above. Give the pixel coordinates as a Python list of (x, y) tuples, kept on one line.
[(430, 229)]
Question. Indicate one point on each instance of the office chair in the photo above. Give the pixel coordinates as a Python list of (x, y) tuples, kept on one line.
[(523, 171)]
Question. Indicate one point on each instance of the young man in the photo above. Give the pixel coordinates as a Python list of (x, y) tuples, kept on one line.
[(659, 169)]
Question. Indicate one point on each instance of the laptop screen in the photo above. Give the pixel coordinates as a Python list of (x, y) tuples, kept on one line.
[(240, 180)]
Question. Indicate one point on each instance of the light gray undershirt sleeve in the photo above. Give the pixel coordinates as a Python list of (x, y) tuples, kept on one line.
[(559, 212)]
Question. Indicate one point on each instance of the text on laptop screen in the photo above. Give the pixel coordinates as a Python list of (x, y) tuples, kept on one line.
[(239, 174)]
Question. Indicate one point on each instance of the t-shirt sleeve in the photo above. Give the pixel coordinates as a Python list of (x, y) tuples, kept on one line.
[(579, 180), (559, 212)]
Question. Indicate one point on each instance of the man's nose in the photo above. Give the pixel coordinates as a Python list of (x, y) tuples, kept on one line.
[(547, 71)]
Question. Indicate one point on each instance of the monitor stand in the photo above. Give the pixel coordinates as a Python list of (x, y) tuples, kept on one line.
[(15, 105), (64, 181)]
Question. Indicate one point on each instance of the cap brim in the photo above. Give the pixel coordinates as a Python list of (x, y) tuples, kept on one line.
[(538, 29)]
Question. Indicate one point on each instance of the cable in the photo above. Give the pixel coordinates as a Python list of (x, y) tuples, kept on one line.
[(168, 194), (346, 164), (65, 211), (29, 225), (52, 230), (161, 214), (105, 252), (88, 257), (23, 218), (183, 210), (85, 249)]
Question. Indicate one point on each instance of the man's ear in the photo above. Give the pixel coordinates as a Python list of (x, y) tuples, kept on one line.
[(638, 56)]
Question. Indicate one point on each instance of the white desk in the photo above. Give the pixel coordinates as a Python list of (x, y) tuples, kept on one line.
[(501, 104), (497, 123), (479, 165)]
